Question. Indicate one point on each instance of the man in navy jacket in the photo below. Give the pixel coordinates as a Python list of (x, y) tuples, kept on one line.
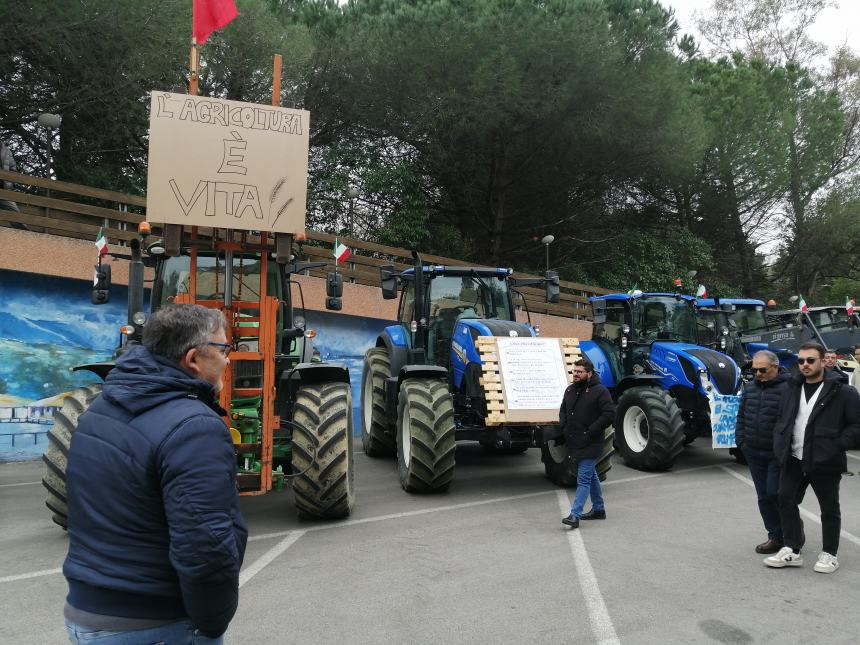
[(757, 416), (156, 538)]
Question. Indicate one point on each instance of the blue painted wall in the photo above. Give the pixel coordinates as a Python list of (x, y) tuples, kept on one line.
[(48, 325)]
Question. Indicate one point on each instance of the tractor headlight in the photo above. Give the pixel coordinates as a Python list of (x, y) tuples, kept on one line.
[(138, 318), (705, 382), (722, 342)]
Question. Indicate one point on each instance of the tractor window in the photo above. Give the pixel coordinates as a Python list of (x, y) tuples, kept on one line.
[(750, 319), (407, 304), (470, 297), (175, 273), (613, 318), (665, 318), (825, 319)]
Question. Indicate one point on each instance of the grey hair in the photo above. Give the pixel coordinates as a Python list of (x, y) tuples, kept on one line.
[(768, 355), (172, 331)]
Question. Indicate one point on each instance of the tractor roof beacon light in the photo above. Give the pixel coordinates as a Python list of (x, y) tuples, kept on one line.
[(144, 229)]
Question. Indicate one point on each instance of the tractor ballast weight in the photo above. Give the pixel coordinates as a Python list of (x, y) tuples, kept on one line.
[(644, 346), (287, 412), (421, 384)]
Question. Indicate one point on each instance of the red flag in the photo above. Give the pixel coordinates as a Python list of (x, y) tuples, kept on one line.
[(211, 15)]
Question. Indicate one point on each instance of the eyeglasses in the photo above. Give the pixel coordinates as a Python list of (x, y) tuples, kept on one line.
[(760, 370), (225, 348), (580, 372), (809, 360)]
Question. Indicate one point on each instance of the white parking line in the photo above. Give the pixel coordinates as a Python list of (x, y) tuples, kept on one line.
[(807, 514), (598, 614), (32, 574), (852, 456), (266, 559), (20, 484)]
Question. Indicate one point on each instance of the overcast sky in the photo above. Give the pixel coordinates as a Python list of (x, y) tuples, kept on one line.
[(833, 27)]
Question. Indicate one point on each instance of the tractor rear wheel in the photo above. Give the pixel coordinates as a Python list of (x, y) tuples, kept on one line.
[(377, 431), (561, 468), (322, 451), (651, 429), (56, 455), (425, 435)]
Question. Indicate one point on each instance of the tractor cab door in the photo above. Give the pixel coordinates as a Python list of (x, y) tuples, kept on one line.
[(609, 318), (406, 310)]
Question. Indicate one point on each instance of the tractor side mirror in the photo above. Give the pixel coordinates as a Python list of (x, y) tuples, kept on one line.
[(101, 284), (552, 287), (334, 285), (389, 282)]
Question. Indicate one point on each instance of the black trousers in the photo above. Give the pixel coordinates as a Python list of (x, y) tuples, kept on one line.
[(792, 486)]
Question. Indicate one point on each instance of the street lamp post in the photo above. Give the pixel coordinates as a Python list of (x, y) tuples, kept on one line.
[(546, 241), (352, 193), (49, 122)]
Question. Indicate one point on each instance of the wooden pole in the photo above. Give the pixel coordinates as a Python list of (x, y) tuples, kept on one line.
[(195, 68), (276, 80)]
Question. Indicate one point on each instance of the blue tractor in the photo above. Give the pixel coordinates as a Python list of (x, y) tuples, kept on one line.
[(646, 349), (421, 389)]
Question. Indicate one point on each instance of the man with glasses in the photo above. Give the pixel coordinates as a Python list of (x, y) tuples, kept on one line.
[(757, 416), (156, 538), (586, 411), (820, 419)]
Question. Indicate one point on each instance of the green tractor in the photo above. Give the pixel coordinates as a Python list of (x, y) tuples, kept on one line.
[(290, 415)]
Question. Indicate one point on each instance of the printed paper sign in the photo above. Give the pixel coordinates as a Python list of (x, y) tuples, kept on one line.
[(227, 164), (724, 413), (533, 373)]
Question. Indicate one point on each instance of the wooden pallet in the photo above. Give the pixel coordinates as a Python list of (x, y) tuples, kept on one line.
[(494, 391)]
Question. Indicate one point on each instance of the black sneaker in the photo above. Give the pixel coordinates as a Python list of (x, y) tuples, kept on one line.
[(570, 521), (594, 515)]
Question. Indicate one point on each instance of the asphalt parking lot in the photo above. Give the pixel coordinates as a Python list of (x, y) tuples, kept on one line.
[(490, 562)]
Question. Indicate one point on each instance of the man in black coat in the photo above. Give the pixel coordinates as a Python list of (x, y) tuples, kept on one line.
[(820, 419), (586, 411), (757, 417)]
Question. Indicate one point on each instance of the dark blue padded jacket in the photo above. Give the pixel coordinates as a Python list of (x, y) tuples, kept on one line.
[(759, 411), (155, 529)]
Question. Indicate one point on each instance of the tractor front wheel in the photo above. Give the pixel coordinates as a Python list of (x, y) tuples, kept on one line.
[(56, 455), (560, 467), (322, 451), (377, 431), (425, 435), (650, 428)]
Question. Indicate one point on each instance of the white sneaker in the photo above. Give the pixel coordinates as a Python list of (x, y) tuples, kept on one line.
[(826, 563), (785, 557)]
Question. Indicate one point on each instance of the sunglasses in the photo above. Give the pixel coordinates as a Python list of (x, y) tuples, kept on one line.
[(225, 348), (760, 370), (809, 360)]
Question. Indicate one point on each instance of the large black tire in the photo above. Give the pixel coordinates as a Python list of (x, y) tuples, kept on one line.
[(324, 487), (377, 430), (426, 440), (56, 455), (561, 469), (650, 429)]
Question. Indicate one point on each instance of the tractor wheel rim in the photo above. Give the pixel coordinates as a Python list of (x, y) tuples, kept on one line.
[(636, 430), (406, 435), (557, 451)]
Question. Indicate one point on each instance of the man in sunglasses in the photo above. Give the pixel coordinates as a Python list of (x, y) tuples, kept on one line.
[(156, 538), (757, 416), (820, 419)]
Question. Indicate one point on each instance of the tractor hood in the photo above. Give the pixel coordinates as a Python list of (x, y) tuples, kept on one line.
[(722, 372)]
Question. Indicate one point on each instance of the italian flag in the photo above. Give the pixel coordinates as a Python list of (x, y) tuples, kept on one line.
[(802, 304), (101, 243), (341, 253), (701, 292), (849, 306)]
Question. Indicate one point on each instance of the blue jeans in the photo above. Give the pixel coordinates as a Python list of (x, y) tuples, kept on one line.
[(178, 633), (764, 470), (587, 483)]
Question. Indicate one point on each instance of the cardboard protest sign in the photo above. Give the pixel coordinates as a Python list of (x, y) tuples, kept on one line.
[(227, 164), (724, 413)]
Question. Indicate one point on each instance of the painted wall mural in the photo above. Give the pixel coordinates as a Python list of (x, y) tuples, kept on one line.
[(48, 325)]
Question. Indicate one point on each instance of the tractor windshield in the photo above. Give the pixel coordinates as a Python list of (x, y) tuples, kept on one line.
[(175, 273), (665, 318), (469, 297), (750, 318), (826, 319)]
